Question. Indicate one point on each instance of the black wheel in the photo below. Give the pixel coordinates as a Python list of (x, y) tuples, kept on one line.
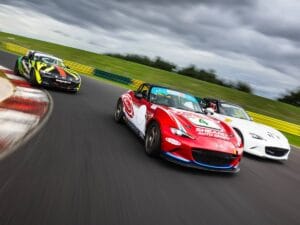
[(240, 134), (153, 140), (32, 78), (16, 69), (119, 112)]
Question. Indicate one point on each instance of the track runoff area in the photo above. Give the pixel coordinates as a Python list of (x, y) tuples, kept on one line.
[(83, 168)]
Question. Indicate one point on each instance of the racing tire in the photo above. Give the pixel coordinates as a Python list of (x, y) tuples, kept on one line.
[(153, 140), (16, 69), (240, 134), (119, 114), (32, 78)]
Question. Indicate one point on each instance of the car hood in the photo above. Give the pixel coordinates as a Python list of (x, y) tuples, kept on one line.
[(61, 72), (207, 132), (268, 133), (200, 123)]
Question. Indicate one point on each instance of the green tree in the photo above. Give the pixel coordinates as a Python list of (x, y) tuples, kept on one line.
[(243, 87), (293, 98)]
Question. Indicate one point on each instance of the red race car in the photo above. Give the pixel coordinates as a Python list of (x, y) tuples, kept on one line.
[(174, 126)]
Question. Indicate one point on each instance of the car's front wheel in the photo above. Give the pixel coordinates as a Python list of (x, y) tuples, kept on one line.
[(32, 78), (153, 139), (118, 116)]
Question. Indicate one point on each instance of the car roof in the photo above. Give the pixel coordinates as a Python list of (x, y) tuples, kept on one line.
[(48, 55), (38, 53)]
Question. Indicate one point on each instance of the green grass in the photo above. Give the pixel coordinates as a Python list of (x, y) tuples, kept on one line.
[(133, 70), (293, 140)]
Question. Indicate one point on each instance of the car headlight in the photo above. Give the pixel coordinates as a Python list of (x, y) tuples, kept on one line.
[(256, 136), (180, 133), (74, 78)]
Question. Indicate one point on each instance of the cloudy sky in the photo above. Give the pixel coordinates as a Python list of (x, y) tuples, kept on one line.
[(257, 41)]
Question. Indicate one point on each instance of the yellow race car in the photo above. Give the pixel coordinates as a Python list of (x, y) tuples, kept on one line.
[(42, 69)]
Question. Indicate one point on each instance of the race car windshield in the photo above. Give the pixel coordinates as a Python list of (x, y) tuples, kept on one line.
[(175, 99), (50, 60), (233, 111)]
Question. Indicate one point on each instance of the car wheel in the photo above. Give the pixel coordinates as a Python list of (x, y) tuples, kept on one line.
[(240, 134), (118, 116), (32, 78), (153, 140), (16, 69)]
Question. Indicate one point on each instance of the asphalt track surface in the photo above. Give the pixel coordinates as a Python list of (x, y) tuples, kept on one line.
[(84, 169)]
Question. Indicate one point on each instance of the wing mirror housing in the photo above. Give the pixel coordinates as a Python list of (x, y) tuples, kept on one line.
[(209, 111)]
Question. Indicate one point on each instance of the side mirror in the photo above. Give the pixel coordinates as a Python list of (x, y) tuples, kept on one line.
[(209, 111), (138, 95)]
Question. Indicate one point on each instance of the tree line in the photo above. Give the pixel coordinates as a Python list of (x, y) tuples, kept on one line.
[(292, 97), (190, 71)]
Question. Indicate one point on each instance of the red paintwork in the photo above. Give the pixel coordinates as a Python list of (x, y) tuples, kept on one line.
[(223, 139), (21, 83), (25, 105)]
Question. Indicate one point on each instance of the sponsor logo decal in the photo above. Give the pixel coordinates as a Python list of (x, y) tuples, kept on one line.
[(203, 131), (63, 81), (202, 121)]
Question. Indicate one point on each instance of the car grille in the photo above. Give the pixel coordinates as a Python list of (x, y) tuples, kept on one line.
[(276, 151), (213, 158)]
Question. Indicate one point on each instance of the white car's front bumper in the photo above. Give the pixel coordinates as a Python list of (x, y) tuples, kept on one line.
[(270, 152)]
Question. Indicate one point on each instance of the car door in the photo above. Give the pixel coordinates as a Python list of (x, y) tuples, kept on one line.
[(140, 108), (26, 63)]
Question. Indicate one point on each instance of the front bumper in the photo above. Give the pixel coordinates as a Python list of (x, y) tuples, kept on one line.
[(269, 152), (198, 165), (189, 153), (61, 84)]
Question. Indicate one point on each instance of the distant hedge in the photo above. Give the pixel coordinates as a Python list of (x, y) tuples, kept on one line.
[(293, 98), (191, 71)]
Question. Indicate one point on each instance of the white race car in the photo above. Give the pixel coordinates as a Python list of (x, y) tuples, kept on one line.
[(258, 139)]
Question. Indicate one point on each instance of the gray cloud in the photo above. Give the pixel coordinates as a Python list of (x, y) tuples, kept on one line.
[(231, 29)]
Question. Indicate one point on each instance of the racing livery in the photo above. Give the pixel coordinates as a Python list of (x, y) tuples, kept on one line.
[(173, 125), (46, 70), (258, 139)]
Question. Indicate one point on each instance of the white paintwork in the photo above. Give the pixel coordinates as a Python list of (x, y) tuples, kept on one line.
[(271, 136), (139, 118), (31, 93), (6, 89)]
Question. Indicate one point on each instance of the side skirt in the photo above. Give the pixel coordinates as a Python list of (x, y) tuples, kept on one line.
[(134, 128)]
